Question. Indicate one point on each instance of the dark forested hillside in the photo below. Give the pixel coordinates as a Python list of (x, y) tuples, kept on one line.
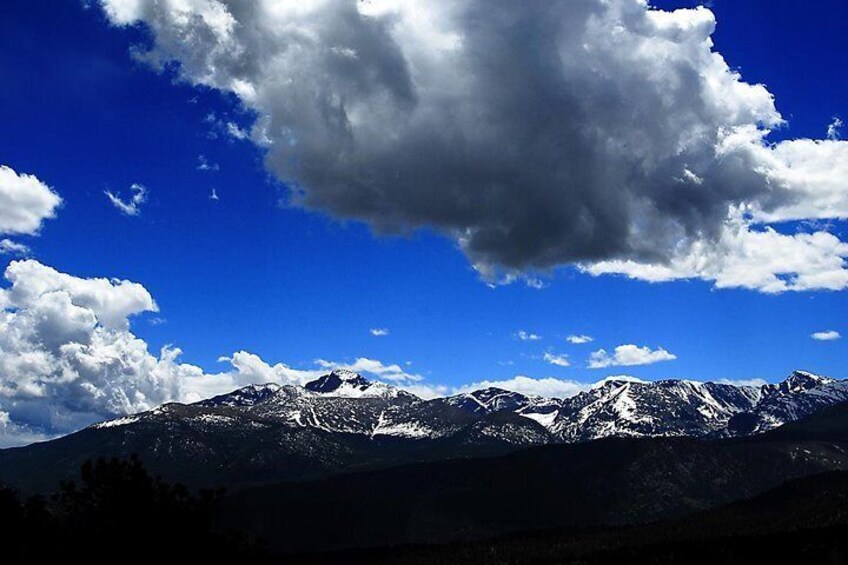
[(595, 484)]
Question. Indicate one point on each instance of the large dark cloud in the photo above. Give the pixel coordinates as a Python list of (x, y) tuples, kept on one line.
[(599, 133)]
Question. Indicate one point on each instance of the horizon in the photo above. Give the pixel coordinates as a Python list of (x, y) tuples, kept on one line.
[(426, 199)]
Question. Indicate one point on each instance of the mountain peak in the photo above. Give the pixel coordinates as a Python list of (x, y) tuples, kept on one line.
[(245, 396), (800, 381), (338, 379), (346, 383)]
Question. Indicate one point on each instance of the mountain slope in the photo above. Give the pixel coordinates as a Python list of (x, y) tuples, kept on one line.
[(614, 481), (342, 422), (265, 433)]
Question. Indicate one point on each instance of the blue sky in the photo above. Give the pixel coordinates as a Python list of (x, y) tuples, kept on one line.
[(253, 272)]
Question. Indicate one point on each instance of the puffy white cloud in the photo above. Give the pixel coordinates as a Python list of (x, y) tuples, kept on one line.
[(759, 259), (247, 368), (579, 339), (132, 205), (602, 133), (379, 332), (524, 335), (68, 357), (25, 202), (629, 355), (830, 335), (110, 301), (560, 360)]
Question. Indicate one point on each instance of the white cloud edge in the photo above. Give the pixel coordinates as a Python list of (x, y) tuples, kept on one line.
[(25, 203), (629, 355), (827, 335), (131, 206)]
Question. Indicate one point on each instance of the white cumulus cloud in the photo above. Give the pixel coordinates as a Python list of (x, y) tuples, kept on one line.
[(68, 357), (829, 335), (379, 332), (25, 202), (628, 355)]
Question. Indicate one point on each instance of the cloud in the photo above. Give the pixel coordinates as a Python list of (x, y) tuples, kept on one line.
[(763, 260), (618, 378), (203, 164), (68, 357), (560, 360), (527, 336), (236, 132), (131, 207), (830, 335), (214, 195), (756, 383), (392, 372), (834, 129), (579, 339), (549, 387), (379, 332), (25, 202), (9, 247), (601, 133), (629, 355)]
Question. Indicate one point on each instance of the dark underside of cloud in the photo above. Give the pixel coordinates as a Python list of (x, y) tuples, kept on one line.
[(607, 135)]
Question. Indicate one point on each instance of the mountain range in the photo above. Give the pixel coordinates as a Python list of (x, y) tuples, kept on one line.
[(343, 422)]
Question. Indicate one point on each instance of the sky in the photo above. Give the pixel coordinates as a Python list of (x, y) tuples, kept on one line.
[(201, 194)]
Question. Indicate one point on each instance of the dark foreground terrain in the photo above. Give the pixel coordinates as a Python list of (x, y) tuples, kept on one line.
[(780, 497)]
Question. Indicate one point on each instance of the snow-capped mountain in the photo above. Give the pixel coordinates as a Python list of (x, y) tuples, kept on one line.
[(346, 402), (343, 421), (797, 397), (348, 384), (662, 408)]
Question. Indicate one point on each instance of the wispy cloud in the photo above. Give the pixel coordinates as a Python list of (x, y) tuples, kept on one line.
[(9, 247), (629, 355), (203, 164), (579, 339), (379, 332), (131, 206), (560, 360), (524, 335), (834, 129)]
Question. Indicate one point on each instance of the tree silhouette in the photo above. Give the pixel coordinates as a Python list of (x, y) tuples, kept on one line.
[(118, 512)]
